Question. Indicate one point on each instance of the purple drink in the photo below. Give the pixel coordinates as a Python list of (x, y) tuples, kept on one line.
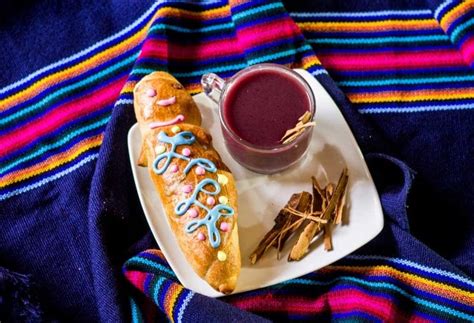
[(262, 105), (256, 107)]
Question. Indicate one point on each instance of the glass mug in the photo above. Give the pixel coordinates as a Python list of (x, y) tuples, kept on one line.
[(268, 159)]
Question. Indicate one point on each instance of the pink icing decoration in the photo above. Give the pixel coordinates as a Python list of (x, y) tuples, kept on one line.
[(174, 168), (193, 213), (187, 188), (150, 93), (201, 236), (186, 152), (200, 171), (177, 119), (166, 102), (225, 226), (210, 201)]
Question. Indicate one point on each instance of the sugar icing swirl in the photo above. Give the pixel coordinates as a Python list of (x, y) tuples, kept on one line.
[(212, 214)]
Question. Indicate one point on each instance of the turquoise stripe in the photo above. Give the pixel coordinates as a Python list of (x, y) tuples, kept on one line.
[(135, 311), (418, 266), (57, 144), (265, 58), (253, 11), (69, 88), (156, 289), (432, 108), (163, 26), (361, 14), (86, 51), (379, 40), (388, 286), (152, 264), (216, 69), (459, 29), (396, 81)]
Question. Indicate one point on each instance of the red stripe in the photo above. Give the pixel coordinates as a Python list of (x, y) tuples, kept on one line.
[(340, 301), (392, 60), (60, 116)]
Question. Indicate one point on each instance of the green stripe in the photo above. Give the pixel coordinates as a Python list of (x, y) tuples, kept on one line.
[(48, 147), (163, 26), (379, 40), (407, 81), (68, 89)]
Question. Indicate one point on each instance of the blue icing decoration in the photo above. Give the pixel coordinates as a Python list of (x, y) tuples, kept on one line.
[(212, 215), (204, 163), (183, 206), (210, 221), (182, 138)]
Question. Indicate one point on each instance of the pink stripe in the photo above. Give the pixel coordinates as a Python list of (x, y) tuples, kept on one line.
[(340, 301), (375, 61), (137, 278), (247, 37), (467, 49), (59, 117), (267, 32), (165, 50)]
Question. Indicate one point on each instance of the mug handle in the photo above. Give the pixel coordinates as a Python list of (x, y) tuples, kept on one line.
[(212, 85)]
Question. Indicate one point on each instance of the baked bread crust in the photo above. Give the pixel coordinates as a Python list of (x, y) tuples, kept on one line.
[(175, 175)]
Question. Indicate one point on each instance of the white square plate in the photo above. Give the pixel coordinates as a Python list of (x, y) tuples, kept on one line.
[(262, 196)]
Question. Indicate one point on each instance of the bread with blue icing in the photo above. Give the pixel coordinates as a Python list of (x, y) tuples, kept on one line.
[(196, 188)]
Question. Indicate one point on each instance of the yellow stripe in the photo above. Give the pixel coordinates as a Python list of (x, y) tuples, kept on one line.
[(171, 297), (52, 162), (220, 12), (104, 56), (455, 13), (73, 71), (411, 96), (369, 25), (429, 285)]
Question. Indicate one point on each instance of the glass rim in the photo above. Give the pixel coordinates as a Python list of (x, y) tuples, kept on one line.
[(278, 147)]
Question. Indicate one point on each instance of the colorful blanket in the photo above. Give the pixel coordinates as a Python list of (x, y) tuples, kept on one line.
[(74, 244)]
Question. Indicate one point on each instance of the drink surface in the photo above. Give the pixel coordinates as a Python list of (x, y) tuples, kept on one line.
[(261, 105)]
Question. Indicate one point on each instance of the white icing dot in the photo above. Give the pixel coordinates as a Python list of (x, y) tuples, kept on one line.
[(221, 255), (223, 199), (160, 149), (222, 179)]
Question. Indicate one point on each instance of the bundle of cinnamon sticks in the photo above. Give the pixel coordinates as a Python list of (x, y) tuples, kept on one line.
[(312, 213)]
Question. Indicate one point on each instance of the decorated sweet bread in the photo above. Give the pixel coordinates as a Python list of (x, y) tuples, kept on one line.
[(196, 188)]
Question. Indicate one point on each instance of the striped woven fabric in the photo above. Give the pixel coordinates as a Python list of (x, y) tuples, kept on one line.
[(356, 288), (397, 61), (52, 123)]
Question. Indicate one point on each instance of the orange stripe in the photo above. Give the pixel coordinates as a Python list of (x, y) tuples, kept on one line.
[(455, 13), (369, 26), (75, 70), (170, 299), (409, 279), (52, 162)]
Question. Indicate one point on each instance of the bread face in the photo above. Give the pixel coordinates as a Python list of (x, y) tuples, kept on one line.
[(196, 188)]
